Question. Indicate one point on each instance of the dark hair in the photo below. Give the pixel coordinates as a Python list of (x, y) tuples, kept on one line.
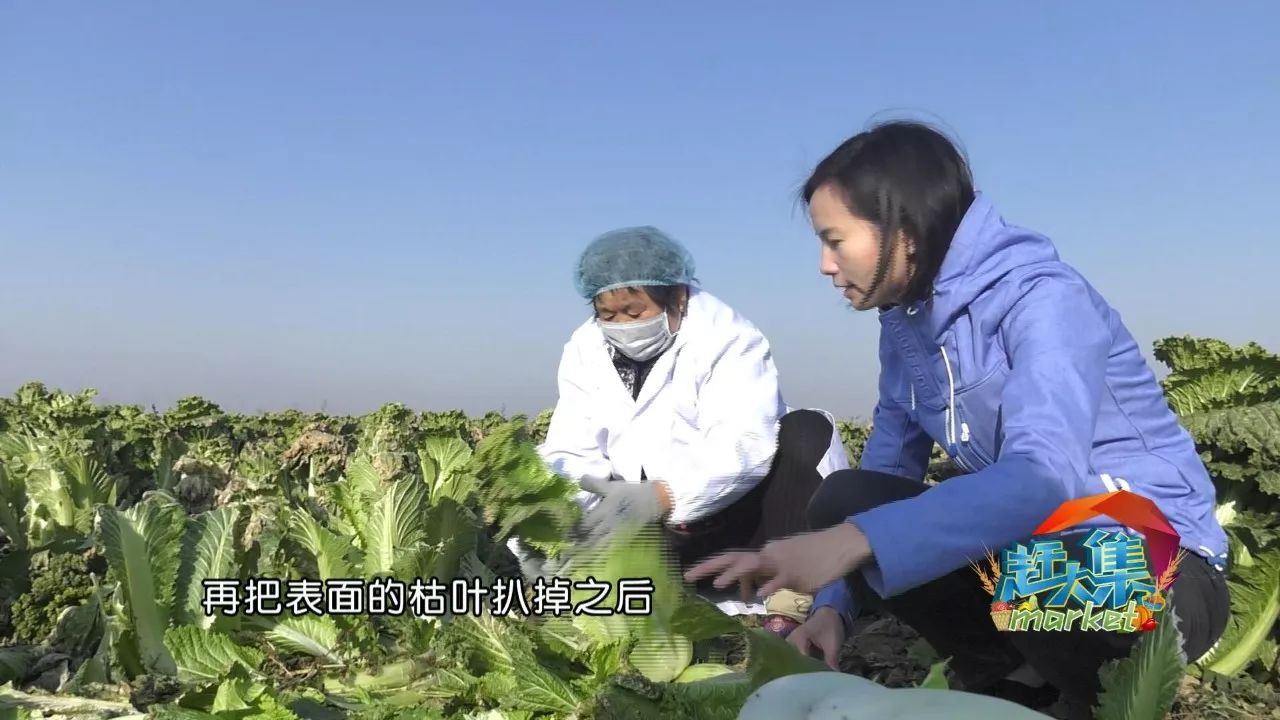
[(901, 176)]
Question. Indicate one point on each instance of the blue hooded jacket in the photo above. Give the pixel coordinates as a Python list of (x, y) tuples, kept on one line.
[(1029, 380)]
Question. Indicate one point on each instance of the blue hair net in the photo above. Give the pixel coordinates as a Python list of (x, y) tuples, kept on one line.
[(631, 257)]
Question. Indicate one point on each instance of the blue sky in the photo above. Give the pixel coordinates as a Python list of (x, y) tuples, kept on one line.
[(335, 205)]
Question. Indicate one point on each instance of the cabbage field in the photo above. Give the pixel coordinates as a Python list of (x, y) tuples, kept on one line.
[(196, 563)]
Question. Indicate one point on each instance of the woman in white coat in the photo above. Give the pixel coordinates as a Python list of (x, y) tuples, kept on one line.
[(670, 410)]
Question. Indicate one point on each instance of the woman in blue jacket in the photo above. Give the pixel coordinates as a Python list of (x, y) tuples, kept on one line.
[(995, 349)]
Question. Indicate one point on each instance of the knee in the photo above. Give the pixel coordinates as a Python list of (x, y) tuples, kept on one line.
[(835, 500), (805, 423), (849, 492), (806, 433)]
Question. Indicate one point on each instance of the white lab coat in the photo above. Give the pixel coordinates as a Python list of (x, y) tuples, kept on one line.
[(705, 422)]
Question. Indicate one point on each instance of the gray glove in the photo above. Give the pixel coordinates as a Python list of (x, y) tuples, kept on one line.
[(620, 503), (532, 562)]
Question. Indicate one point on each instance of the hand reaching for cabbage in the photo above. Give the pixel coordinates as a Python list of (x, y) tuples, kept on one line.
[(824, 632), (803, 563), (621, 503)]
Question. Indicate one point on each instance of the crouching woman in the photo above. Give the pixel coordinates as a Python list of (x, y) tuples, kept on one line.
[(670, 411), (1004, 355)]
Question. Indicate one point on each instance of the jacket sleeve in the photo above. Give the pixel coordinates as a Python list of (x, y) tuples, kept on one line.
[(738, 408), (1057, 343), (574, 441), (837, 597), (897, 444)]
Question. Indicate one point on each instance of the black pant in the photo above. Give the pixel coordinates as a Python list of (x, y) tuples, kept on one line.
[(952, 612), (776, 507)]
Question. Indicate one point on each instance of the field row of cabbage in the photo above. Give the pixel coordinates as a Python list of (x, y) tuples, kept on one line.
[(195, 563)]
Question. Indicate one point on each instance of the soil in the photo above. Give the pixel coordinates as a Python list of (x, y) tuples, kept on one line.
[(883, 649), (1199, 700), (889, 652)]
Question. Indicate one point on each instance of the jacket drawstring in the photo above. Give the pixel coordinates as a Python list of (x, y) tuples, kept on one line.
[(951, 402)]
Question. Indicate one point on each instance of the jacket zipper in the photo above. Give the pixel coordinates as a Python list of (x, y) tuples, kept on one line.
[(953, 418), (949, 429)]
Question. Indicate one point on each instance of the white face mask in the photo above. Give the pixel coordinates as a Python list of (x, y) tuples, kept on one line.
[(640, 340)]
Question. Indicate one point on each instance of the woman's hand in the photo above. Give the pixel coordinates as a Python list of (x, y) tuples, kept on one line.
[(803, 563), (622, 503), (824, 631)]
